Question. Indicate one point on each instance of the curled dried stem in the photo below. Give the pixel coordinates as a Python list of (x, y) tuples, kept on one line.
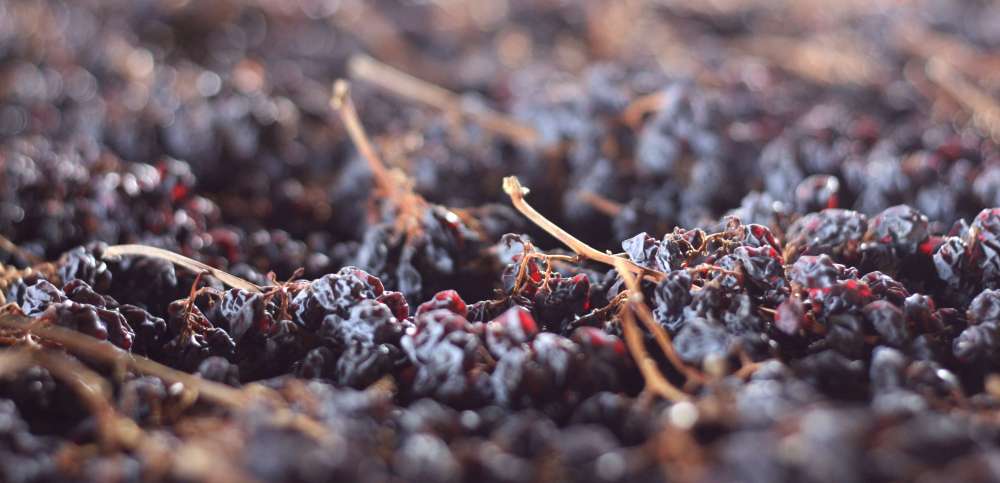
[(636, 110), (177, 259), (600, 203), (826, 60), (407, 86), (926, 43), (94, 392), (113, 429), (91, 348), (393, 184), (655, 381), (708, 268), (11, 247), (513, 188), (638, 305), (748, 366), (342, 103)]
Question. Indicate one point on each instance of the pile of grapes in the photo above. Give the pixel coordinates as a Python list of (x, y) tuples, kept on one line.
[(504, 241)]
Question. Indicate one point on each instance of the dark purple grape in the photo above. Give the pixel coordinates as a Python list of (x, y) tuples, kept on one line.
[(243, 311), (671, 296), (368, 323), (219, 369), (889, 323), (510, 330), (333, 294), (983, 252), (833, 232), (900, 228), (396, 302), (448, 299), (150, 331), (764, 269), (38, 297), (885, 287), (978, 344), (446, 353), (984, 308), (813, 272), (78, 317), (84, 263), (559, 300), (817, 192)]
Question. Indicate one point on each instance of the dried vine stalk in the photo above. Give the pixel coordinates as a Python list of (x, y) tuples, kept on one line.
[(826, 60), (194, 265), (628, 270), (393, 184), (600, 203), (7, 245), (407, 86), (655, 381), (341, 102), (636, 302), (512, 186), (225, 396), (94, 349), (116, 432)]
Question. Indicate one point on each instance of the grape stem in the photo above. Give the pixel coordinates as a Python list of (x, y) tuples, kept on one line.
[(93, 349), (341, 103), (512, 186), (198, 388), (655, 381), (636, 110), (177, 259), (600, 203), (409, 87), (11, 247), (113, 429), (393, 184), (828, 60), (637, 303)]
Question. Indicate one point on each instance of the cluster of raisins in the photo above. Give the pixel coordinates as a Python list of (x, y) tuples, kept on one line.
[(807, 204)]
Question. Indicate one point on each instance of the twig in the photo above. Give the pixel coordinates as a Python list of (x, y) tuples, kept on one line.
[(113, 429), (380, 34), (747, 370), (925, 43), (194, 265), (600, 203), (410, 87), (91, 348), (637, 302), (706, 267), (383, 389), (342, 103), (985, 110), (220, 394), (393, 184), (828, 60), (7, 245), (655, 381), (513, 188), (637, 109)]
